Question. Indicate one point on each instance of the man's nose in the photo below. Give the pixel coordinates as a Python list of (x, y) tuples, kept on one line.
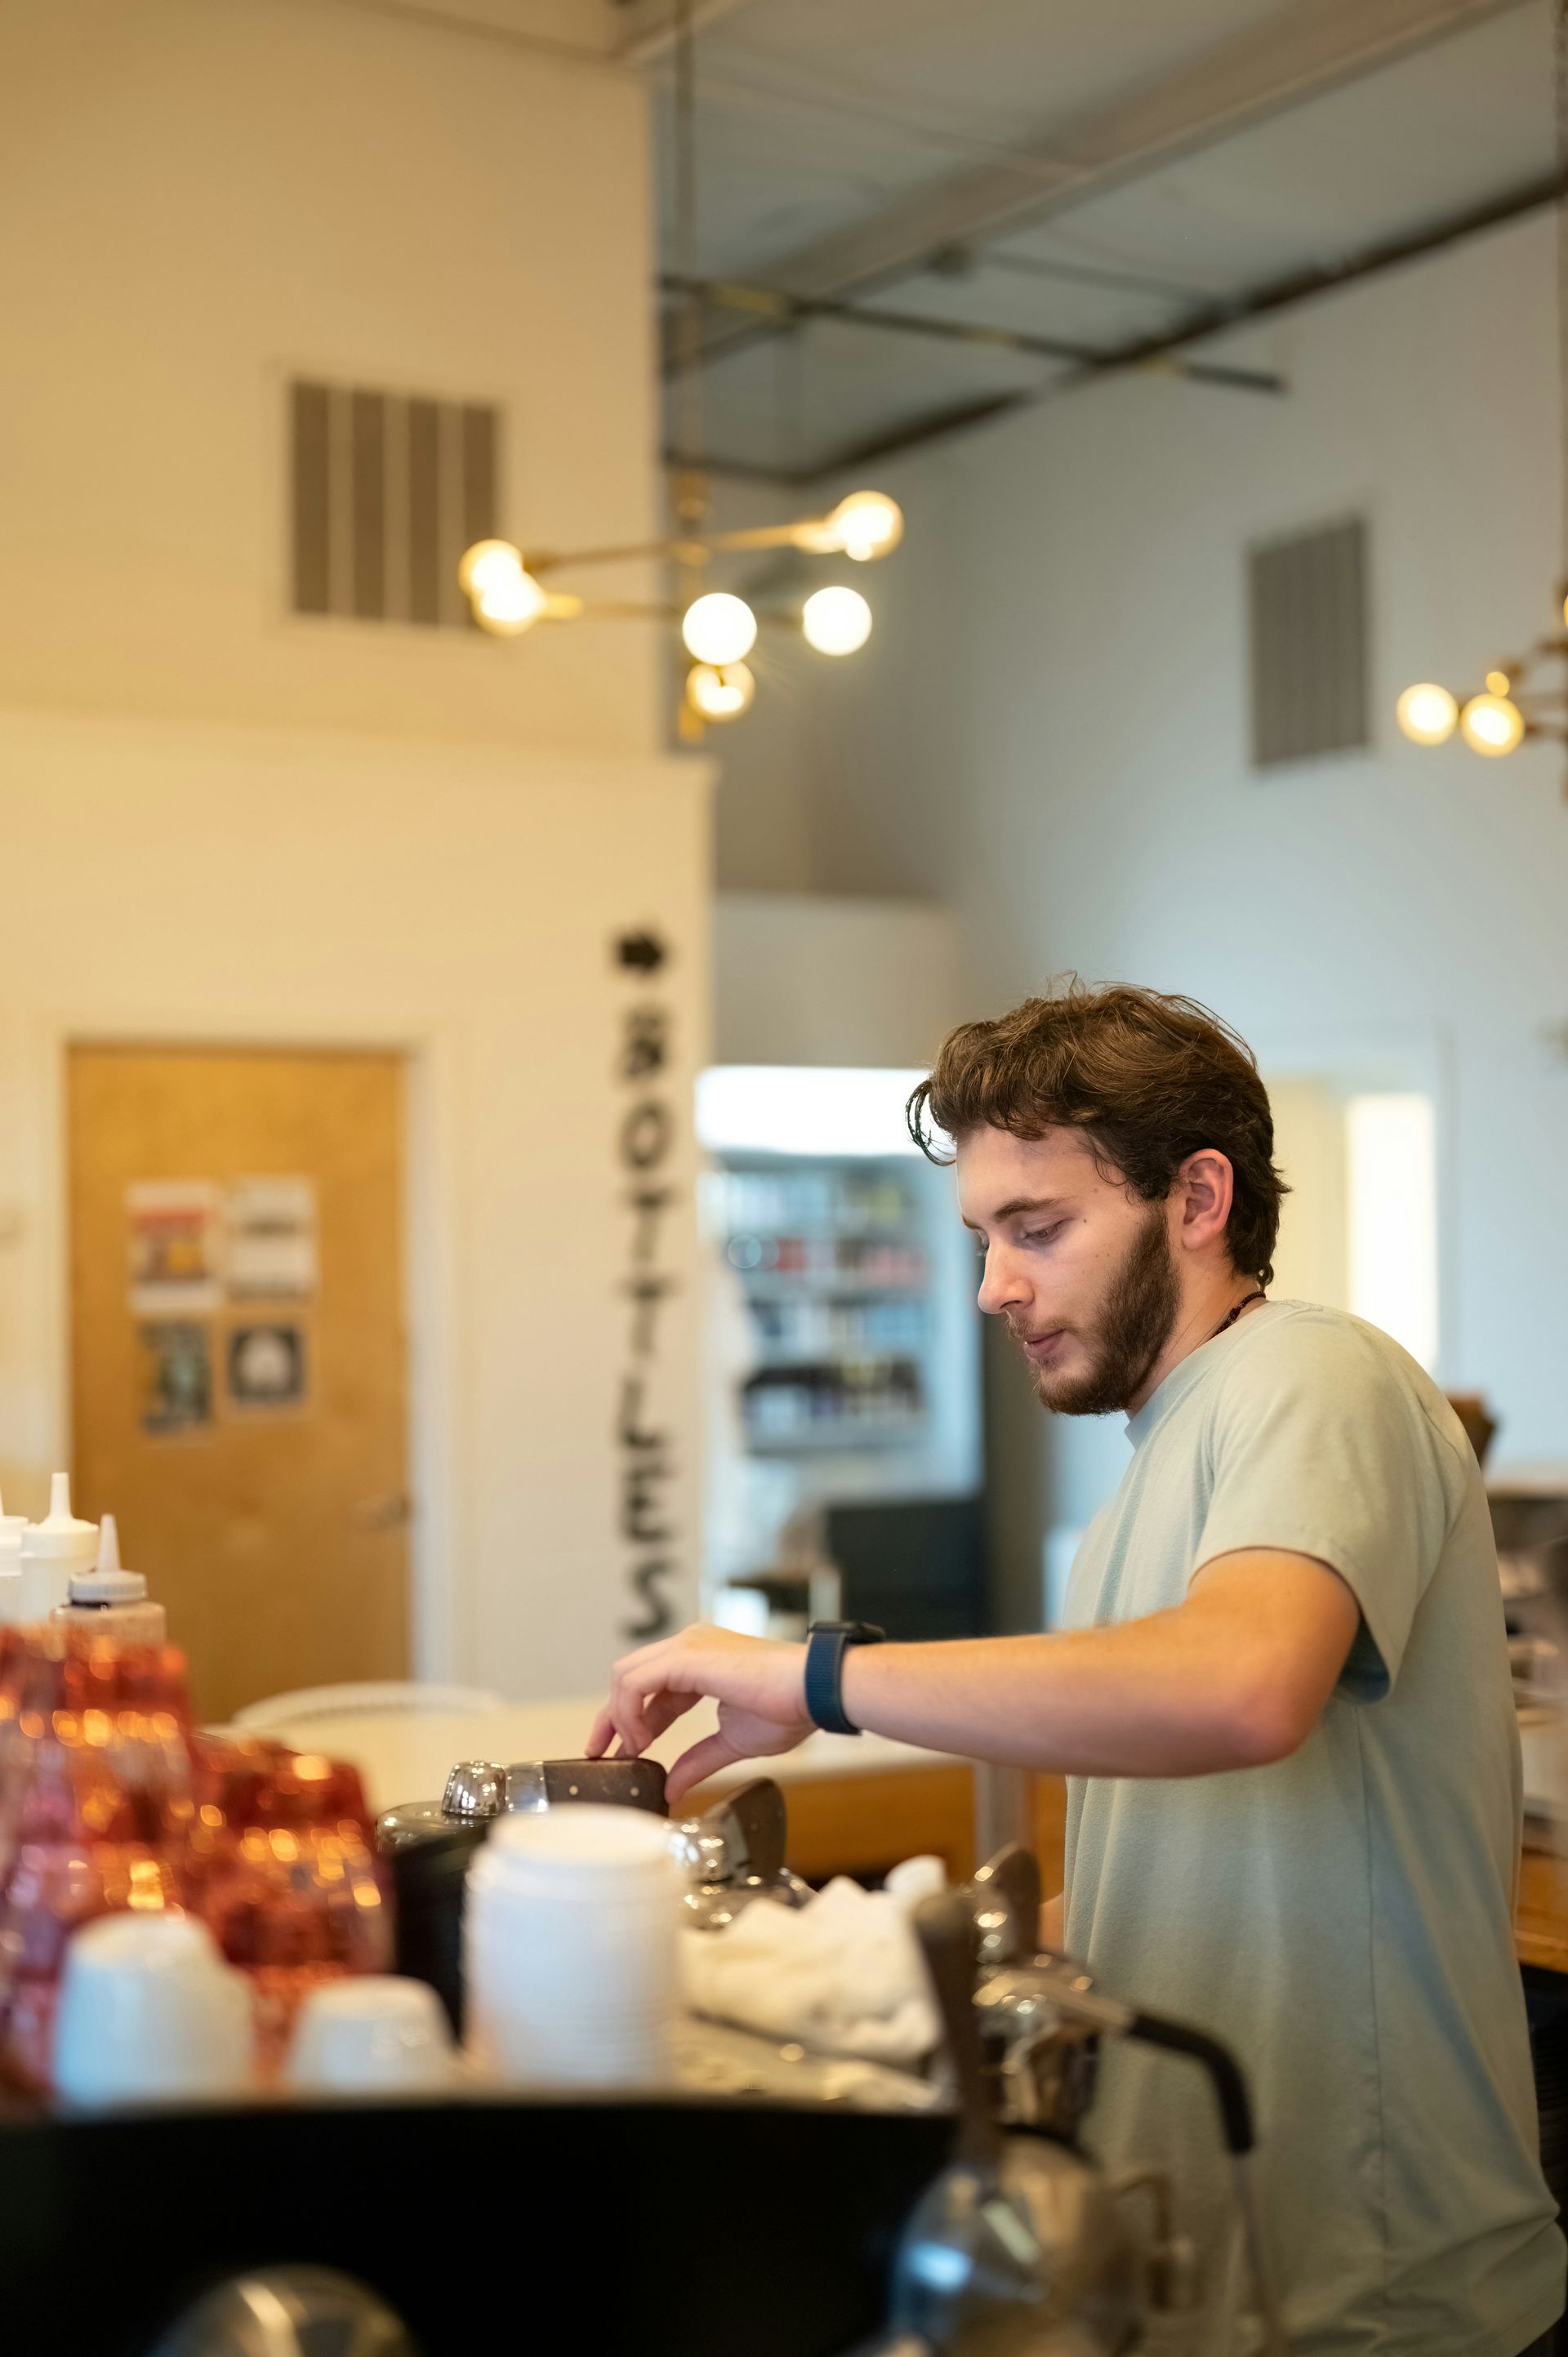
[(1001, 1283)]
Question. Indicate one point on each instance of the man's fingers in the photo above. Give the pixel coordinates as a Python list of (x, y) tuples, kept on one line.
[(704, 1759), (661, 1710), (600, 1735), (624, 1708)]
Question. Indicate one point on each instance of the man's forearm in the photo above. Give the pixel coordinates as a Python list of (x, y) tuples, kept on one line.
[(1184, 1693)]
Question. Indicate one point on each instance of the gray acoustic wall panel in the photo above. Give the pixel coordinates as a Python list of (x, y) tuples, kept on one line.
[(386, 490), (1308, 610)]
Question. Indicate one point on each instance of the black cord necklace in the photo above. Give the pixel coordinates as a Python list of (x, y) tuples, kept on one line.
[(1231, 1315)]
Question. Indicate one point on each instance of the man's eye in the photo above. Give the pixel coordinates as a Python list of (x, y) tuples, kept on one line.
[(1043, 1235), (981, 1248)]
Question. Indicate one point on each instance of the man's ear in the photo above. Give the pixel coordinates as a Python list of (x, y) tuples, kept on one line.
[(1204, 1189)]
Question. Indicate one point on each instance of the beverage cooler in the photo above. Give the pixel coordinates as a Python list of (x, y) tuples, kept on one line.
[(843, 1436)]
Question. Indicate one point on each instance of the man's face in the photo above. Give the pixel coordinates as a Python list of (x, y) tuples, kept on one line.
[(1083, 1271)]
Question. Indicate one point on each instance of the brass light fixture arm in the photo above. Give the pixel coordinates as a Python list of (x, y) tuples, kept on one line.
[(692, 550)]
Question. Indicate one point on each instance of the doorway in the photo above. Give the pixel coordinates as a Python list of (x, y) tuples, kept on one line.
[(239, 1384)]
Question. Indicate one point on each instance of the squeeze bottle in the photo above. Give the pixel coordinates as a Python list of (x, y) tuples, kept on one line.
[(52, 1550), (11, 1528), (111, 1601)]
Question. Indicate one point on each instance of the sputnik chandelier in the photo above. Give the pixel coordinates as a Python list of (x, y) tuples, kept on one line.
[(719, 629), (1514, 705), (1519, 699)]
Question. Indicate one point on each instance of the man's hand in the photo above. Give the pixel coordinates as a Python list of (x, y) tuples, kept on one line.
[(760, 1686)]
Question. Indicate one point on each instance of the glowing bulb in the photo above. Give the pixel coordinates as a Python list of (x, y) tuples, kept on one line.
[(836, 621), (719, 628), (1498, 683), (1426, 713), (867, 524), (720, 691), (1491, 725), (488, 564), (510, 605)]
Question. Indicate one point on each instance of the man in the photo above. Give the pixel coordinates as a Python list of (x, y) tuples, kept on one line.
[(1281, 1695)]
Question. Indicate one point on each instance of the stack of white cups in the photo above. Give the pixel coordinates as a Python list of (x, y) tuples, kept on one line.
[(570, 1955)]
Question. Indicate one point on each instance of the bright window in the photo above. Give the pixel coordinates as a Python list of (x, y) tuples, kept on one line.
[(804, 1109), (1392, 1184)]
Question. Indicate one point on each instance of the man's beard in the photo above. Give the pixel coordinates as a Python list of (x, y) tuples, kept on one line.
[(1133, 1327)]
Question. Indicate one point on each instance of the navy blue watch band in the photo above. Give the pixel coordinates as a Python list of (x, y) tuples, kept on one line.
[(827, 1641)]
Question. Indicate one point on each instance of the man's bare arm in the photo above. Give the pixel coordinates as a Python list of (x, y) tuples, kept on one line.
[(1235, 1676)]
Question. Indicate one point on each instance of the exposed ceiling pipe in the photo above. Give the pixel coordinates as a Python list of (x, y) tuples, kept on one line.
[(773, 302), (1153, 352)]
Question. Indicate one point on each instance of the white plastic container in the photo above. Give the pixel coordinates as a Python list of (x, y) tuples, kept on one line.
[(372, 2034), (110, 1602), (570, 1949), (52, 1550), (149, 2012), (11, 1528)]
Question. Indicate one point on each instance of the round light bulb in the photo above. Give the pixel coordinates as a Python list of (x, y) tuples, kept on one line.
[(1498, 683), (719, 628), (866, 525), (1427, 714), (720, 691), (510, 605), (836, 621), (1491, 725), (487, 565)]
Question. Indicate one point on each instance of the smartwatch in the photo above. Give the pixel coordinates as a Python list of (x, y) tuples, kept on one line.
[(827, 1641)]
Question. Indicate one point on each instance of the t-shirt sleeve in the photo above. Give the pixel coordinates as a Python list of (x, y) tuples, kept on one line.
[(1321, 1448)]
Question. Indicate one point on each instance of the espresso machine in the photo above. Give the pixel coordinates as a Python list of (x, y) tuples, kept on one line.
[(842, 2212)]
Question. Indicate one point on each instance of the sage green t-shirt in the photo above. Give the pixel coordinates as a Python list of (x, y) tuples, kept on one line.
[(1343, 1918)]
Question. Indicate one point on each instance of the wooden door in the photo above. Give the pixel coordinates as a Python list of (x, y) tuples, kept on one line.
[(237, 1352)]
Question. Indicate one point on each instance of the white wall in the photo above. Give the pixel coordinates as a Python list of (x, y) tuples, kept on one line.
[(221, 821), (1049, 730), (802, 978), (174, 883), (200, 201)]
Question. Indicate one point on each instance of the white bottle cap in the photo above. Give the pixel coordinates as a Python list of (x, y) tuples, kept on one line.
[(107, 1583), (60, 1535)]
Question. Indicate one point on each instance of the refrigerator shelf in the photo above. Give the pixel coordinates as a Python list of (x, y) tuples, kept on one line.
[(805, 1287), (880, 1432), (872, 1232), (806, 1362)]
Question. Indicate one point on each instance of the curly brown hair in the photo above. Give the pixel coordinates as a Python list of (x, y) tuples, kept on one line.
[(1148, 1077)]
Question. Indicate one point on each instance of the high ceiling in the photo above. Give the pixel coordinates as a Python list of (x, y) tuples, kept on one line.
[(1097, 176)]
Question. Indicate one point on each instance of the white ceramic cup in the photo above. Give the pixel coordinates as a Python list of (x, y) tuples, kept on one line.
[(570, 1951), (370, 2034), (149, 2012)]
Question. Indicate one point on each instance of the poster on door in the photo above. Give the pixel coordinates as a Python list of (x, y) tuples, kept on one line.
[(174, 1247), (266, 1366), (271, 1251), (174, 1376)]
